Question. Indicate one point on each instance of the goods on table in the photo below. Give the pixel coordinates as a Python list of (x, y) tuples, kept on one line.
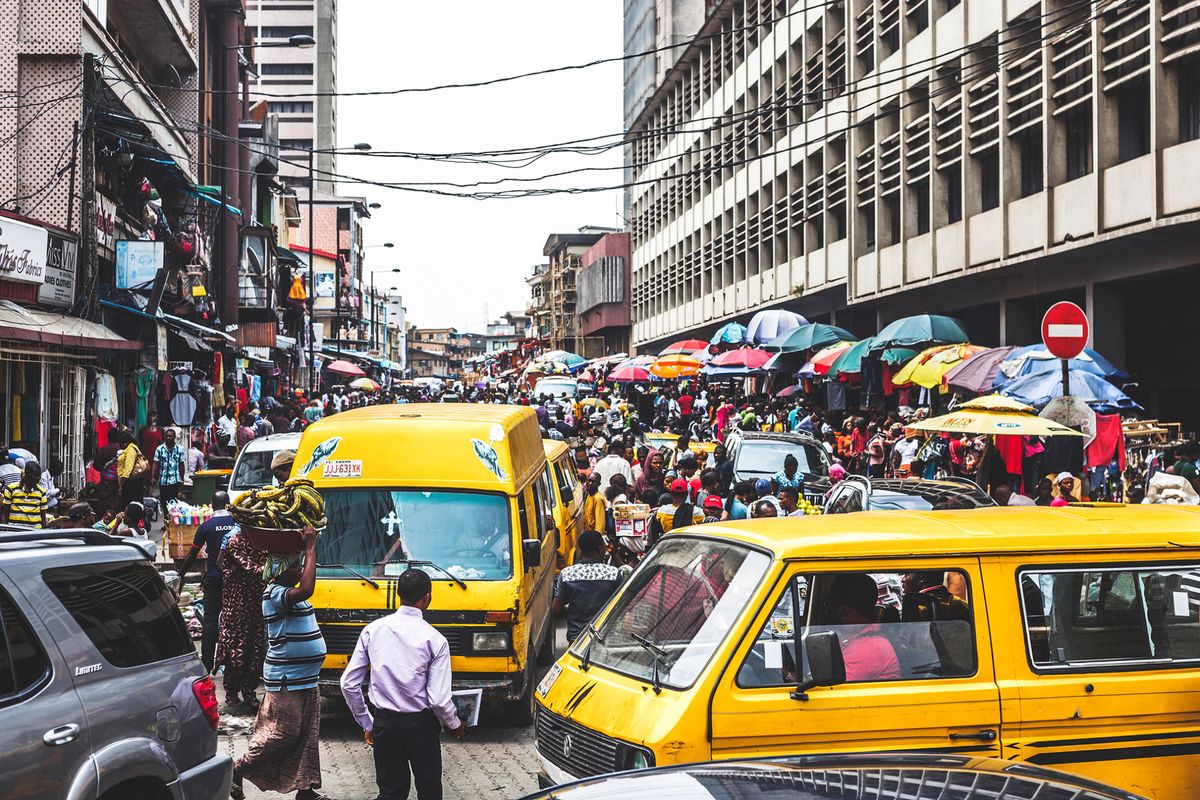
[(274, 516), (179, 526), (809, 508), (180, 513), (633, 525)]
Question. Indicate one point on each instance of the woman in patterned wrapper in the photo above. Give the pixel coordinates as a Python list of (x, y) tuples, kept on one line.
[(241, 642)]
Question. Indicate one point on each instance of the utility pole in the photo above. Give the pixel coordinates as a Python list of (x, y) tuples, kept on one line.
[(89, 258)]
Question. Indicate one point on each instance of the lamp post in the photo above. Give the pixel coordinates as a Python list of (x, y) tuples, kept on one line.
[(374, 303)]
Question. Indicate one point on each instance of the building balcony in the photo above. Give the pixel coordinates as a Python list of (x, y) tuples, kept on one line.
[(158, 31)]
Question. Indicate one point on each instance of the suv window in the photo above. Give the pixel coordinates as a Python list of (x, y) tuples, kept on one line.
[(914, 627), (1115, 615), (23, 664), (125, 609)]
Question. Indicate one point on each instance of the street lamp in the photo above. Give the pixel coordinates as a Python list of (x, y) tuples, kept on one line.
[(385, 244), (375, 303)]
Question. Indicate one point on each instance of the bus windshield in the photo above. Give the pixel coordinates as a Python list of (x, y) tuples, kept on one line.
[(380, 532)]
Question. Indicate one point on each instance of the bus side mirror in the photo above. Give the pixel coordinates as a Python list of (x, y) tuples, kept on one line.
[(531, 553), (825, 665)]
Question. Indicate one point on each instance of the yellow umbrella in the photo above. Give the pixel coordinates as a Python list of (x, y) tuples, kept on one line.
[(931, 365), (996, 402), (676, 365), (595, 402), (995, 423)]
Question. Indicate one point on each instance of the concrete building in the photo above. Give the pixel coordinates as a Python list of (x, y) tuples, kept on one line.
[(652, 25), (557, 310), (860, 161), (508, 331), (298, 83), (604, 293), (337, 283)]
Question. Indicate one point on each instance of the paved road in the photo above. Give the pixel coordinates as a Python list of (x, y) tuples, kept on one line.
[(496, 760)]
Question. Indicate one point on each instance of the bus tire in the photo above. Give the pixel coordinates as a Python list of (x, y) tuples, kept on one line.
[(545, 653), (520, 712)]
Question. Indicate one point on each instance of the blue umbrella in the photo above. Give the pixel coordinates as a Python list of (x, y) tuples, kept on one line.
[(919, 331), (1035, 358), (730, 333), (768, 325), (1039, 388)]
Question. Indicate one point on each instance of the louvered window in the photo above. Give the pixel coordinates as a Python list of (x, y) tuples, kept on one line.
[(983, 114), (835, 181), (889, 26), (916, 137), (835, 62), (948, 130), (864, 37), (1024, 84), (889, 154), (814, 75), (864, 168), (1181, 29), (1125, 43), (917, 12), (1071, 67)]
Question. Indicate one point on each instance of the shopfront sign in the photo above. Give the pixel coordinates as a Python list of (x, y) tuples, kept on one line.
[(138, 262), (22, 251), (106, 226), (62, 258)]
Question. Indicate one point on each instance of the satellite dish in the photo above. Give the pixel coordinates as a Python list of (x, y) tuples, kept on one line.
[(171, 77)]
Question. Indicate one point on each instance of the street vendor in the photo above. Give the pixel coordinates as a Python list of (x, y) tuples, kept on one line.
[(281, 466)]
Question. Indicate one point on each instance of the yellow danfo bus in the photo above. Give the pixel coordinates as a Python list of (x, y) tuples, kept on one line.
[(459, 491), (1067, 638)]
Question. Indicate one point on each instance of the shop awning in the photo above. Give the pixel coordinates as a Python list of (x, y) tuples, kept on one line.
[(195, 328), (283, 254), (194, 342), (28, 325)]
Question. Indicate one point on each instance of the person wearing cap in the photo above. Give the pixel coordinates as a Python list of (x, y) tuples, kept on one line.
[(713, 505), (1065, 483), (211, 536), (764, 488), (281, 466), (679, 512)]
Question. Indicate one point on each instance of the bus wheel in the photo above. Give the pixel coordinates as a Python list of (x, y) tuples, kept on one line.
[(520, 712), (545, 654)]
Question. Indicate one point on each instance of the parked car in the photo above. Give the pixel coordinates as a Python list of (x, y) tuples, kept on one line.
[(102, 694), (758, 455), (915, 776), (858, 493), (252, 470)]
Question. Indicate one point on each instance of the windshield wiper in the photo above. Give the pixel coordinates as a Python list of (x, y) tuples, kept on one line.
[(585, 658), (659, 655), (423, 563), (353, 572)]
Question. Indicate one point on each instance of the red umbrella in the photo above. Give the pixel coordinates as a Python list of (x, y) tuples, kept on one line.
[(789, 391), (630, 374), (344, 368), (686, 346), (745, 357)]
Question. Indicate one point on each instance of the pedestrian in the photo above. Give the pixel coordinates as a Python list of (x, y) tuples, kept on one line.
[(170, 467), (228, 421), (789, 501), (132, 472), (613, 464), (409, 664), (241, 645), (245, 432), (25, 503), (585, 587), (283, 754), (195, 456), (594, 507), (211, 536), (713, 506), (131, 523), (790, 476), (10, 473), (151, 435)]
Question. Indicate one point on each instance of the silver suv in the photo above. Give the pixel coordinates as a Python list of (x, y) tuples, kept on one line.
[(102, 694)]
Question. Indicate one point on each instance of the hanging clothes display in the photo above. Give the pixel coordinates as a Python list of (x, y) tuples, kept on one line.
[(202, 390), (104, 430), (182, 403), (218, 382), (255, 388), (16, 418), (106, 396), (143, 386), (1109, 444)]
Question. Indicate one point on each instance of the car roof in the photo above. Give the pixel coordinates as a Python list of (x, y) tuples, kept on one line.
[(20, 543), (931, 490), (980, 530), (778, 436), (276, 441)]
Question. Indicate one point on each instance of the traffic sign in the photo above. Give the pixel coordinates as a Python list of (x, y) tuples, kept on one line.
[(1065, 330)]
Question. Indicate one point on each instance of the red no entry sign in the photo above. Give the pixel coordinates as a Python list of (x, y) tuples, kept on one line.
[(1065, 330)]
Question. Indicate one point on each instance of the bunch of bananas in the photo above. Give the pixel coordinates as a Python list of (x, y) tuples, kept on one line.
[(293, 505), (809, 508)]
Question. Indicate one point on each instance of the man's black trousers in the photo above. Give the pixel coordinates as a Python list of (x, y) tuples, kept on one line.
[(404, 742)]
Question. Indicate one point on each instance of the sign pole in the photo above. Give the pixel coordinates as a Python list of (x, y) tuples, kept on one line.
[(1066, 377)]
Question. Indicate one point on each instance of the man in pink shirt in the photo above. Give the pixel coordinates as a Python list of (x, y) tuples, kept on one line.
[(866, 651), (409, 664)]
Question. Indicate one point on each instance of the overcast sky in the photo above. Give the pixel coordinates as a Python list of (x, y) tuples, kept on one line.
[(462, 258)]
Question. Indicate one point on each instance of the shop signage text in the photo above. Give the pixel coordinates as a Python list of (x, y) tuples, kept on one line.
[(106, 225), (62, 257), (138, 262), (22, 251)]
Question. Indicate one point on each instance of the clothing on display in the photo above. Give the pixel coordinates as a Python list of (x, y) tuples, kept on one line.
[(1109, 444), (182, 403), (143, 385), (106, 396)]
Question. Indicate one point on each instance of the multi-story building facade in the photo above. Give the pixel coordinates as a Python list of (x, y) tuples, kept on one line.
[(559, 286), (298, 83), (539, 300), (862, 160), (604, 295)]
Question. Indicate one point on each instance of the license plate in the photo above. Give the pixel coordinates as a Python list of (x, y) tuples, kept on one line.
[(548, 680)]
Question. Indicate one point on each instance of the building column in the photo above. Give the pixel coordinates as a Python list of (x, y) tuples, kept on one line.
[(1105, 307), (1019, 322), (230, 27)]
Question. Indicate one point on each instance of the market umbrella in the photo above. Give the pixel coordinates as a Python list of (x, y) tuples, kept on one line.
[(730, 333), (997, 402), (897, 355), (629, 374), (745, 357), (340, 367), (977, 374), (790, 391), (587, 375), (570, 361), (767, 325), (812, 336), (594, 402), (822, 360), (850, 360), (685, 346), (675, 366), (1002, 423), (1039, 388), (930, 365), (637, 361), (920, 330), (368, 385), (1036, 358)]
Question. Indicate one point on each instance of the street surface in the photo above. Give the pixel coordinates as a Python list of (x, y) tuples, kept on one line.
[(496, 760)]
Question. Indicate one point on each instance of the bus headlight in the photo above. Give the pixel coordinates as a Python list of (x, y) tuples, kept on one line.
[(490, 642)]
